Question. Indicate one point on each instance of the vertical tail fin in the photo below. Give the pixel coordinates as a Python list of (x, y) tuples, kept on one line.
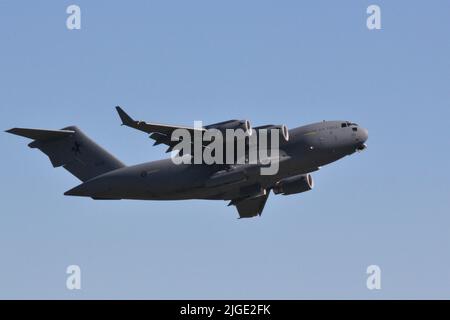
[(72, 149)]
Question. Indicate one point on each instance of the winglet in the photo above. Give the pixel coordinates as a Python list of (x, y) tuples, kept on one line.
[(126, 119)]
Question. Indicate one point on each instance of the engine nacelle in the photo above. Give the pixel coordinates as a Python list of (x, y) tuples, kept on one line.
[(283, 131), (232, 124), (295, 184)]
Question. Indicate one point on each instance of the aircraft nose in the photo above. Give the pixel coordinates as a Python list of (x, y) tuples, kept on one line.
[(364, 134), (361, 138)]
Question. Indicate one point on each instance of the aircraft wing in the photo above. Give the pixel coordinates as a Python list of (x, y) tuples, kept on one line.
[(161, 133), (251, 206)]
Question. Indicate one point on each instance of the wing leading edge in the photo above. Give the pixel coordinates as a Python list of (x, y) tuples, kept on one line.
[(161, 133)]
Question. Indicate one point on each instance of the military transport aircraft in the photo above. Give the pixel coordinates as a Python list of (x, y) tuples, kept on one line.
[(302, 150)]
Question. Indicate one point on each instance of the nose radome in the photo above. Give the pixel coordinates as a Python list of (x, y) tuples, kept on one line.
[(364, 134)]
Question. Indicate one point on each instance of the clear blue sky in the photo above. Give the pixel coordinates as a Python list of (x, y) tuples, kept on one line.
[(175, 62)]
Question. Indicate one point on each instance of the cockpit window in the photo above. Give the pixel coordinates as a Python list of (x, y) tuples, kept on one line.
[(348, 124), (355, 129)]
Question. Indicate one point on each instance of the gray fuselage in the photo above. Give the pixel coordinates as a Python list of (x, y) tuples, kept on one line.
[(308, 148)]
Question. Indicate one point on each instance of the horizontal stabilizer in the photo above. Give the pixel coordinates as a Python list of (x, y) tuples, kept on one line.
[(40, 134)]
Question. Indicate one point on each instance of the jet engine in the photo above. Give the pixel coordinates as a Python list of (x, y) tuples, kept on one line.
[(232, 124), (295, 184), (283, 131)]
